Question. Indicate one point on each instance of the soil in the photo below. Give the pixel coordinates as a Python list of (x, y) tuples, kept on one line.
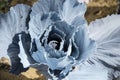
[(31, 74), (100, 8)]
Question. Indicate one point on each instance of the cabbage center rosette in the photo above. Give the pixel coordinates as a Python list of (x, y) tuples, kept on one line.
[(55, 47), (59, 36)]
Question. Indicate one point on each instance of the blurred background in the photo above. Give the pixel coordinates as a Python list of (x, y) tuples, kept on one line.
[(96, 9)]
